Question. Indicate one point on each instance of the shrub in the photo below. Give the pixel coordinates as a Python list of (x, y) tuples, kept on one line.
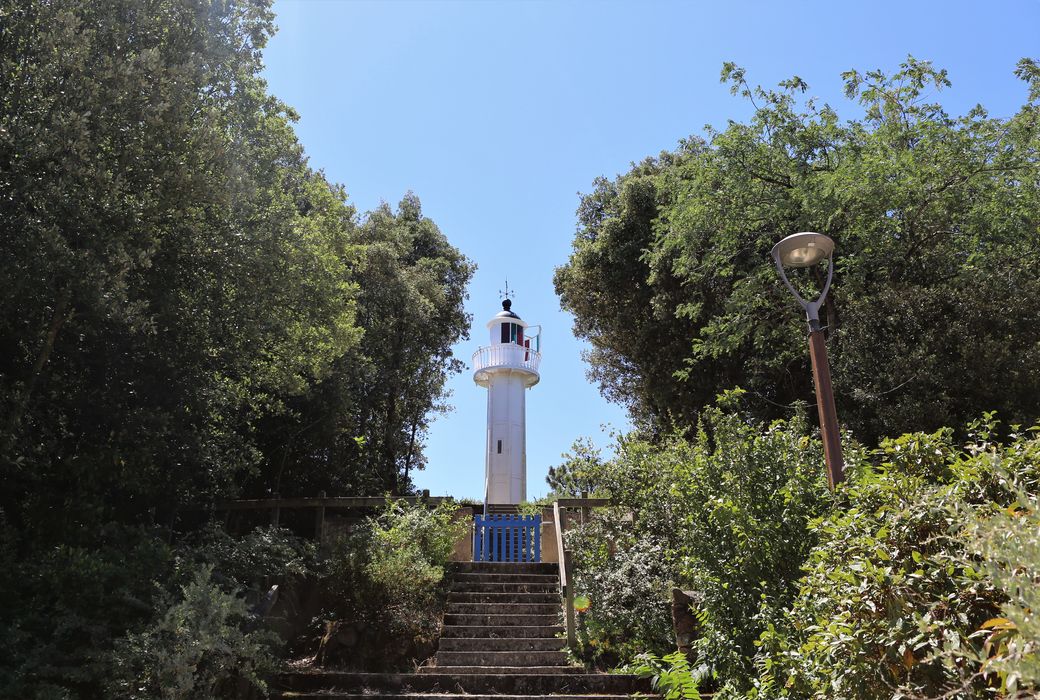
[(196, 649), (899, 596), (629, 592), (249, 562), (916, 579), (386, 587), (726, 514), (1009, 544), (64, 607), (884, 592)]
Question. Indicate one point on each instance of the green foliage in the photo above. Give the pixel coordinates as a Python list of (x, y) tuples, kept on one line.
[(1007, 542), (67, 610), (196, 649), (884, 592), (725, 515), (64, 608), (579, 471), (900, 594), (410, 545), (385, 580), (671, 675), (916, 579), (935, 221), (361, 428), (184, 306), (173, 268), (247, 563), (628, 591), (535, 507)]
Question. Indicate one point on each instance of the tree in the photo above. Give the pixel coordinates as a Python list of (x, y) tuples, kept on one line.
[(184, 301), (172, 269), (361, 429), (580, 474), (935, 220)]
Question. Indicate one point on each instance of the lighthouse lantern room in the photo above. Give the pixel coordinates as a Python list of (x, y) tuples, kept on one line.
[(507, 368)]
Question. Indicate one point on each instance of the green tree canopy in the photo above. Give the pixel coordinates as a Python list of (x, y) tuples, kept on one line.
[(184, 297), (932, 318), (190, 313), (361, 428)]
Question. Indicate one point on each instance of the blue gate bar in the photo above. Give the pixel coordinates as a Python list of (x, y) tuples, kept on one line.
[(509, 538)]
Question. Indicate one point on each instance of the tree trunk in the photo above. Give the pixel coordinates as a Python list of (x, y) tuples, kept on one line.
[(59, 318)]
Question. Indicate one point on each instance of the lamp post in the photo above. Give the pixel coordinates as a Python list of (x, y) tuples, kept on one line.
[(806, 250)]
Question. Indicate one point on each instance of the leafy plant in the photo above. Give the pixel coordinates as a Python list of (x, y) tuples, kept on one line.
[(671, 675), (264, 554), (727, 515), (385, 582), (195, 649), (906, 589), (935, 221), (627, 590), (1007, 542)]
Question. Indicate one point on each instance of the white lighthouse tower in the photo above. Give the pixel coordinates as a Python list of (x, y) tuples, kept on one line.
[(507, 368)]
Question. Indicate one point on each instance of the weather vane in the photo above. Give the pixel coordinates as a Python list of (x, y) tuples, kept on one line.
[(506, 293)]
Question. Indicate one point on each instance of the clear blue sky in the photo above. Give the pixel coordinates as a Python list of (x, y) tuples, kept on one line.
[(497, 114)]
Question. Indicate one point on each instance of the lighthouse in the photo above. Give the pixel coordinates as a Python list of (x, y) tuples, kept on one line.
[(507, 368)]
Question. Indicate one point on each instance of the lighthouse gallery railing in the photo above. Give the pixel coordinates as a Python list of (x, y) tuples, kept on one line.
[(506, 355)]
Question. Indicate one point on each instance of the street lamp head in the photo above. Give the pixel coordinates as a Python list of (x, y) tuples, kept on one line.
[(803, 249)]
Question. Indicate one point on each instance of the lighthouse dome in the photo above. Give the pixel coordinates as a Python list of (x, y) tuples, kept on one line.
[(507, 311)]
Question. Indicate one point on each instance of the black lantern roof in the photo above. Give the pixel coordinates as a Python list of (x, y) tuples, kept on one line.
[(505, 312)]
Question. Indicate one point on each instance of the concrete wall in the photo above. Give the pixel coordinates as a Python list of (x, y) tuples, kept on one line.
[(464, 545)]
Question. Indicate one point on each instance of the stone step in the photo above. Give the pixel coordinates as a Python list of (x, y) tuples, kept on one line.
[(505, 587), (498, 567), (332, 695), (500, 658), (504, 608), (501, 670), (502, 508), (494, 631), (500, 644), (503, 598), (544, 579), (483, 682), (500, 621)]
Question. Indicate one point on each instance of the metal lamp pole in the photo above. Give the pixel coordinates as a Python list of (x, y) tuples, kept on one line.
[(806, 250)]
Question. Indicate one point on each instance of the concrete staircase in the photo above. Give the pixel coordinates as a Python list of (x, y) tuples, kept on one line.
[(500, 641), (502, 619), (502, 509)]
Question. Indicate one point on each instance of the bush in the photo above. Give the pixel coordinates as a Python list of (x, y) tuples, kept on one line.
[(386, 587), (726, 515), (629, 593), (249, 562), (64, 608), (916, 579), (1009, 544), (76, 617), (900, 595), (196, 649)]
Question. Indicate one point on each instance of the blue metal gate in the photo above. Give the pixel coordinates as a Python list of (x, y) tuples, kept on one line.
[(507, 538)]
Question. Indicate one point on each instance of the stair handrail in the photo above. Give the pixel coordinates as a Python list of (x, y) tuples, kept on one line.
[(566, 586)]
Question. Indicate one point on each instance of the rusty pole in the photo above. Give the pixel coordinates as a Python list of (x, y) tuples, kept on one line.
[(825, 405), (806, 249)]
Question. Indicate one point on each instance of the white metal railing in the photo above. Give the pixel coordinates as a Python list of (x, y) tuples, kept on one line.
[(506, 355)]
